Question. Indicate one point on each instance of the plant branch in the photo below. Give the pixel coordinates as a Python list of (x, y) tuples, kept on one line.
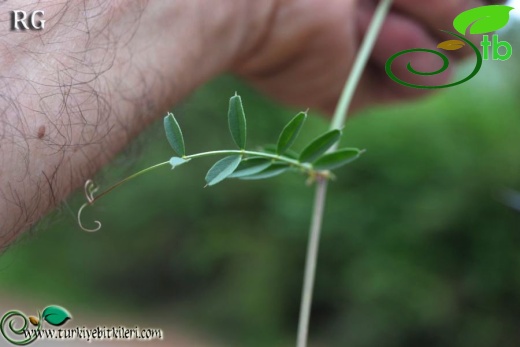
[(340, 116), (90, 188), (303, 166), (137, 174)]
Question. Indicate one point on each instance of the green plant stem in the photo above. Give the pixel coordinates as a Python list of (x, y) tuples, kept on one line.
[(137, 174), (311, 261), (340, 116)]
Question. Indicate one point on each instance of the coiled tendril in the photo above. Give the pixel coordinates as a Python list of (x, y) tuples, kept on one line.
[(90, 190)]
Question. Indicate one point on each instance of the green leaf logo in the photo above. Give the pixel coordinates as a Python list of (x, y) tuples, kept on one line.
[(482, 20), (56, 315)]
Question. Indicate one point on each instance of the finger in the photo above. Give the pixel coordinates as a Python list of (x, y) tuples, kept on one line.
[(310, 58)]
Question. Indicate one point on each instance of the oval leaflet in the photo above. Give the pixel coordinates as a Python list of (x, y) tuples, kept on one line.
[(222, 169), (174, 134)]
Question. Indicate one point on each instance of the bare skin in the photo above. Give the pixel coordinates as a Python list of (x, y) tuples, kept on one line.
[(75, 93)]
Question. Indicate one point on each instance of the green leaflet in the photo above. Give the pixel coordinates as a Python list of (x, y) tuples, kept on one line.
[(337, 159), (176, 161), (56, 315), (290, 132), (237, 121), (250, 166), (174, 134), (222, 169), (272, 171), (319, 146), (483, 19)]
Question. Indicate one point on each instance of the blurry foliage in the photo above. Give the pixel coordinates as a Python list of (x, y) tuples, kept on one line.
[(416, 249)]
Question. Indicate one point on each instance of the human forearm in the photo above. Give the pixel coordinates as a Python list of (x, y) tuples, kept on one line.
[(75, 93), (72, 95)]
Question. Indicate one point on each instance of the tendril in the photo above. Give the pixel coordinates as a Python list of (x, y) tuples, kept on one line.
[(90, 190), (98, 223), (444, 67)]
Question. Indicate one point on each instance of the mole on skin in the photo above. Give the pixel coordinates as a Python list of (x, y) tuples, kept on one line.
[(41, 131)]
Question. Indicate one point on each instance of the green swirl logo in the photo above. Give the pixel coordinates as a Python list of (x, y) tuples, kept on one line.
[(14, 325), (10, 321), (480, 20)]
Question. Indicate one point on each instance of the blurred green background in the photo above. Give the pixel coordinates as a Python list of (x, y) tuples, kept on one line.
[(417, 249)]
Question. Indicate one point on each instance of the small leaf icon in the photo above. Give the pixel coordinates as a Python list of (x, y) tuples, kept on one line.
[(483, 19), (56, 315), (451, 45), (34, 320)]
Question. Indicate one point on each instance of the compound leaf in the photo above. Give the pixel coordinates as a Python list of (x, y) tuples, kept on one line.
[(290, 132), (250, 166), (483, 19), (272, 171), (237, 121), (56, 315), (319, 146), (222, 169), (337, 159), (174, 134)]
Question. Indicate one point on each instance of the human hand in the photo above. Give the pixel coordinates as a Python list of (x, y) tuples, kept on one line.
[(306, 55)]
